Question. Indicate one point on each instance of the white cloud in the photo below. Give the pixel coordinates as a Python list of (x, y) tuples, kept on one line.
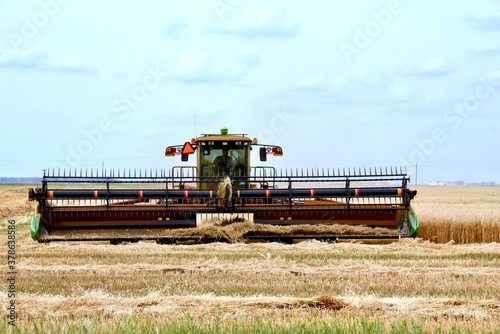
[(38, 59), (71, 65), (436, 66), (433, 97), (493, 78), (33, 58), (176, 29), (485, 52), (354, 86), (487, 21), (194, 68), (316, 82), (399, 93), (432, 67), (258, 23), (203, 69)]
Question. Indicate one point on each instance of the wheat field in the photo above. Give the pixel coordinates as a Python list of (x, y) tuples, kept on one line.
[(446, 280), (459, 214)]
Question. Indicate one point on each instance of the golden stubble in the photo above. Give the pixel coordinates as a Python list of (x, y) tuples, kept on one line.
[(409, 279)]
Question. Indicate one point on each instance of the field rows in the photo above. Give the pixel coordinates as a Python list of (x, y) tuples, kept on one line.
[(410, 279), (205, 307)]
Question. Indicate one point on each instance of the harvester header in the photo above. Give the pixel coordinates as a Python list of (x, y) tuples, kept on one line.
[(222, 185)]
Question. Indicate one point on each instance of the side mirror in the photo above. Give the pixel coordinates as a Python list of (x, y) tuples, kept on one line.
[(263, 154), (184, 157)]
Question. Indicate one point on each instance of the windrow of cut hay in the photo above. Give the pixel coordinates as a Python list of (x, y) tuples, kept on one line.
[(241, 232), (35, 307)]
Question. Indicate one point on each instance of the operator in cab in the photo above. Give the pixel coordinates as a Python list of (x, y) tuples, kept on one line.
[(223, 164)]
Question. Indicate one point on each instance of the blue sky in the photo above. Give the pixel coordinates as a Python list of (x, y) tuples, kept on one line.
[(336, 84)]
